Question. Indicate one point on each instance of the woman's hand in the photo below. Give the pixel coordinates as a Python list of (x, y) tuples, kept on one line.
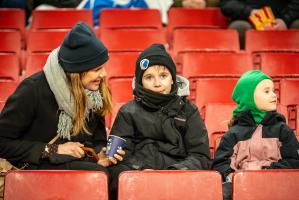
[(107, 161), (72, 149)]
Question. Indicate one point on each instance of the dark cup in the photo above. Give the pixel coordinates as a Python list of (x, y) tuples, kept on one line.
[(114, 143)]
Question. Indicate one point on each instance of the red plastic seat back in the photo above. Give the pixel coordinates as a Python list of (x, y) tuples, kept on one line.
[(41, 184), (130, 40), (7, 88), (2, 103), (12, 18), (289, 92), (9, 67), (205, 40), (215, 64), (276, 40), (195, 18), (121, 65), (121, 90), (35, 63), (44, 41), (214, 91), (217, 124), (60, 18), (10, 41), (280, 65), (130, 18), (170, 185), (266, 184)]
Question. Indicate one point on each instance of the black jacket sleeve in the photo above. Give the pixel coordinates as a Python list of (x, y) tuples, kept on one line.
[(221, 162), (123, 127), (235, 9), (289, 151), (291, 12), (196, 144), (15, 119)]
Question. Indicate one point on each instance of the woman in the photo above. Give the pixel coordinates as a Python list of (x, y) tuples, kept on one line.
[(66, 101), (162, 129)]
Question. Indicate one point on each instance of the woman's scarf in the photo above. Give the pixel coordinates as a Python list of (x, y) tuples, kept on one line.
[(57, 81)]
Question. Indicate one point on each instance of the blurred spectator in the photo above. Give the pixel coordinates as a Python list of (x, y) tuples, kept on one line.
[(190, 3), (286, 13), (195, 3), (57, 3), (162, 5), (97, 5)]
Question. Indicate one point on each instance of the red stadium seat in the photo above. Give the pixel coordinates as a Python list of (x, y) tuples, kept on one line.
[(44, 41), (272, 41), (216, 118), (35, 62), (280, 65), (2, 103), (9, 67), (289, 96), (121, 90), (7, 88), (214, 91), (289, 92), (282, 109), (60, 18), (121, 65), (10, 42), (195, 18), (54, 184), (204, 40), (12, 18), (174, 185), (224, 64), (130, 18), (110, 119), (130, 40), (266, 184), (293, 118)]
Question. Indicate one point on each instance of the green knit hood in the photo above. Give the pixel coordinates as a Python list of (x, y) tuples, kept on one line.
[(243, 94)]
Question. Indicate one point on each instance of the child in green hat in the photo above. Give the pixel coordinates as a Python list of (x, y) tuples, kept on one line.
[(259, 137)]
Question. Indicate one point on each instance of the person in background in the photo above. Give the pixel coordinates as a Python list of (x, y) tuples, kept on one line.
[(162, 128), (286, 14), (195, 3), (258, 137), (65, 102)]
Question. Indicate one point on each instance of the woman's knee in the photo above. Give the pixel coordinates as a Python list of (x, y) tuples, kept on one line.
[(295, 24), (240, 25)]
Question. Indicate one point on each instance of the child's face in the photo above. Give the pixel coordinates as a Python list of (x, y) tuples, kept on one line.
[(264, 96), (158, 79), (91, 79)]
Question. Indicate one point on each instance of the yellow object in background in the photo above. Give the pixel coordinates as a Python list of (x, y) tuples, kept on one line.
[(264, 17)]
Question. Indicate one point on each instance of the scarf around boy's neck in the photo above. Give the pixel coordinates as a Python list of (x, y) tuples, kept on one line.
[(57, 81), (154, 100)]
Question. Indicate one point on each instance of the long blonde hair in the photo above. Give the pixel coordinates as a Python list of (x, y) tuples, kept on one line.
[(80, 100)]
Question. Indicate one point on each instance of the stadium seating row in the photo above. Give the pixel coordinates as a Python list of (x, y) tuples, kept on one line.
[(148, 185), (185, 41), (115, 18)]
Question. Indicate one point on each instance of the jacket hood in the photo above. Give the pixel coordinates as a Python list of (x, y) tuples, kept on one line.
[(182, 83)]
